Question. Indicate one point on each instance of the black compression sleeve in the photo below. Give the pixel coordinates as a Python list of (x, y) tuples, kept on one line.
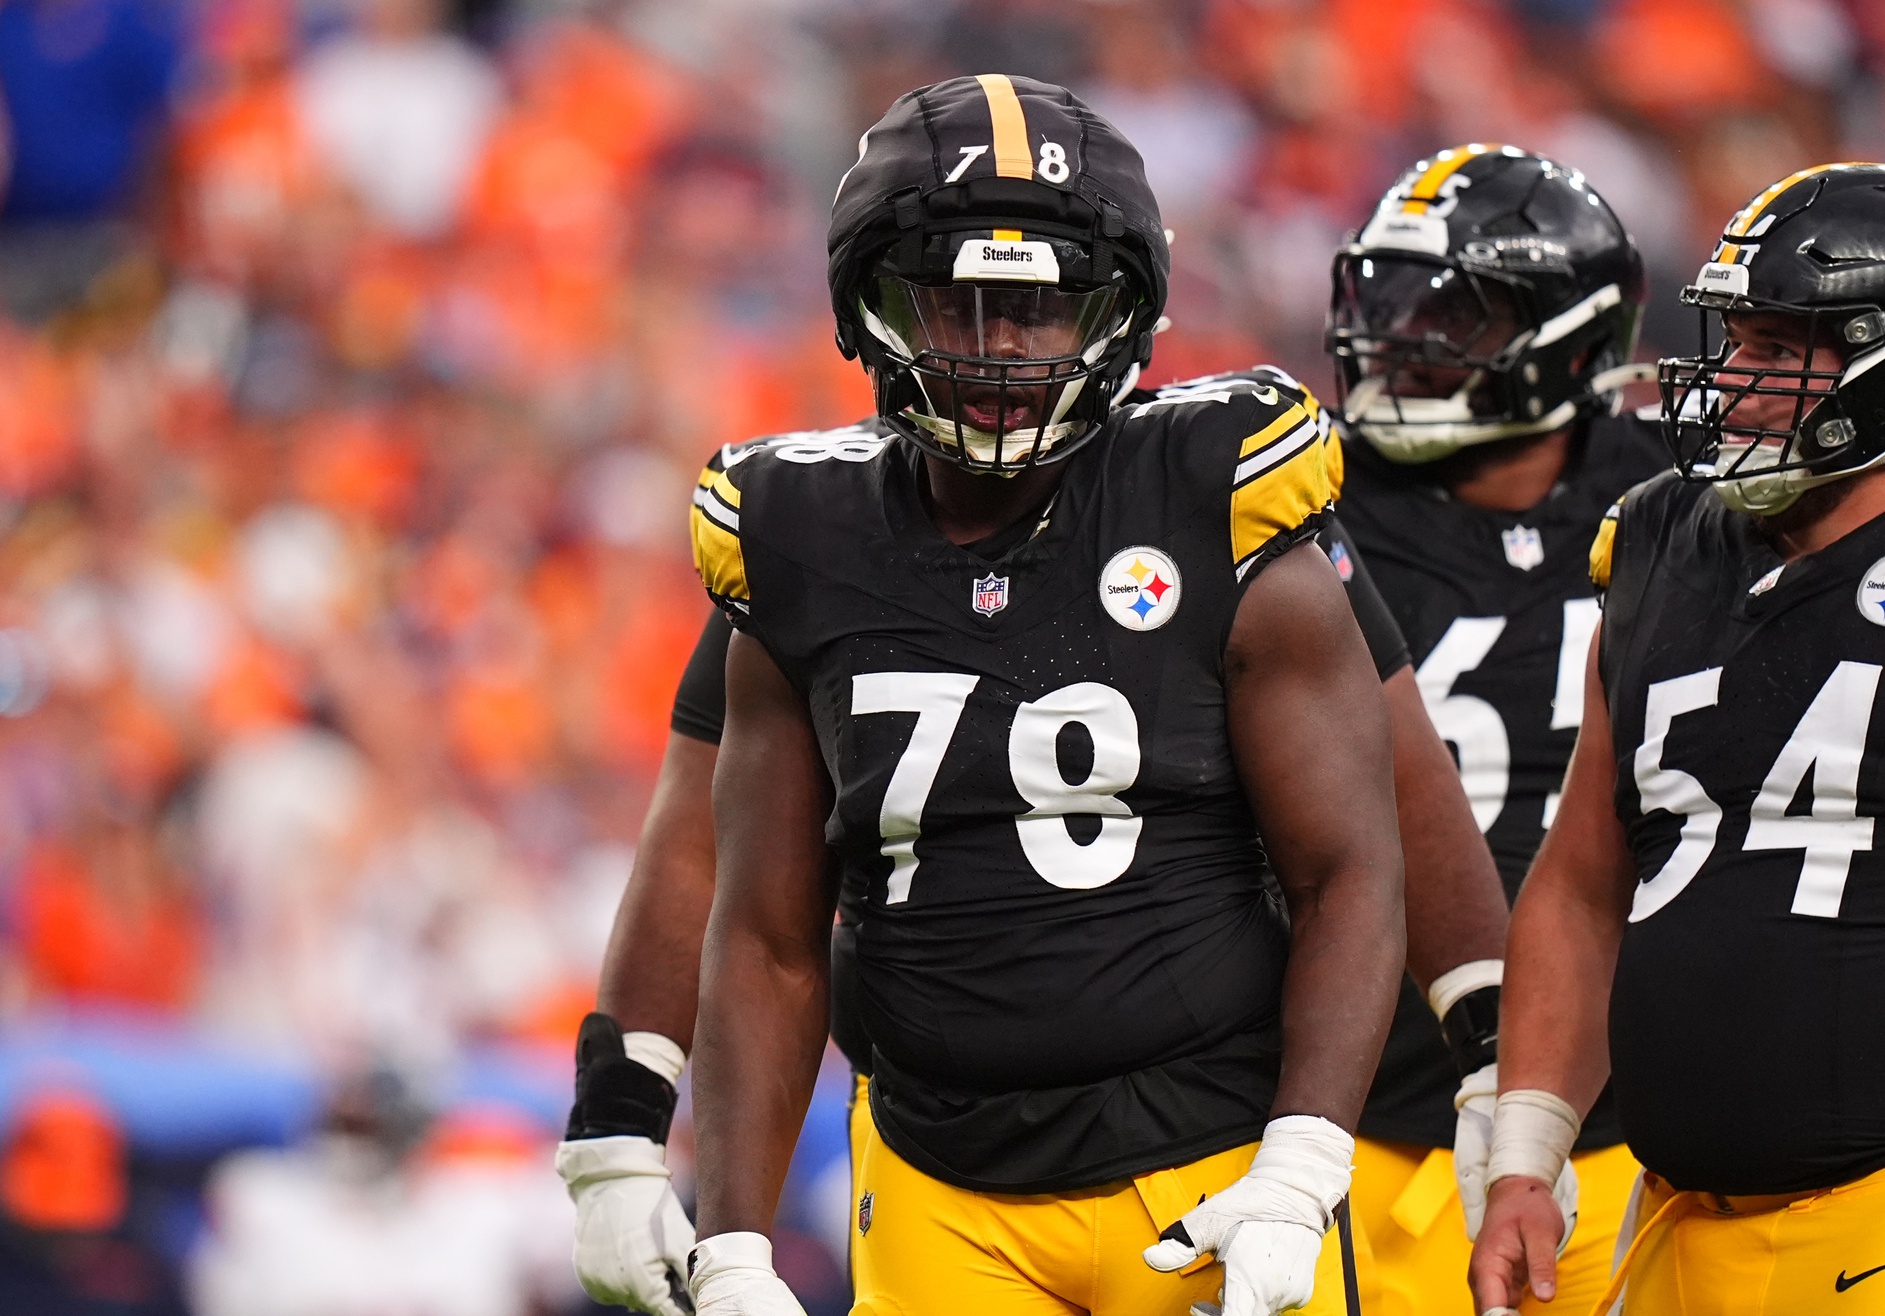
[(1471, 1029), (1386, 644), (700, 705), (616, 1096)]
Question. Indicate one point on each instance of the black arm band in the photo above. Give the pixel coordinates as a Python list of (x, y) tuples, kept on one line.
[(615, 1096), (1471, 1029)]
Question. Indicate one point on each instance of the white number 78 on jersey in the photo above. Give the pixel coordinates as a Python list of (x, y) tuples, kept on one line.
[(938, 698)]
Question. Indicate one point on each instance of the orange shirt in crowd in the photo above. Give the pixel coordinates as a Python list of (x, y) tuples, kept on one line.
[(62, 1167), (86, 942)]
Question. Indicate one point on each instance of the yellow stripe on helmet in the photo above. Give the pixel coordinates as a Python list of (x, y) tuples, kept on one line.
[(1449, 162), (1749, 215), (1013, 159)]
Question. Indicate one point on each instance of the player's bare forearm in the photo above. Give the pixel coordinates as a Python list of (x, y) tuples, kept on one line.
[(1455, 904), (1567, 926), (765, 964), (1310, 732), (651, 973)]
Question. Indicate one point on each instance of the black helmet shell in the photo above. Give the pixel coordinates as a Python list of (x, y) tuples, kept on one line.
[(999, 158), (1486, 214), (1810, 245)]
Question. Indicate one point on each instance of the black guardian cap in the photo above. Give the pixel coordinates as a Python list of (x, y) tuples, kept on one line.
[(998, 262), (1493, 294)]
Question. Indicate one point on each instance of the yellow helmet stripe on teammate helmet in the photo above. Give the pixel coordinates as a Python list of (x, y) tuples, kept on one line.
[(1013, 159), (1750, 214), (1427, 187)]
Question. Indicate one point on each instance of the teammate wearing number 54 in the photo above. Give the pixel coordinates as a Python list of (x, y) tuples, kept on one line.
[(1066, 694), (1713, 881)]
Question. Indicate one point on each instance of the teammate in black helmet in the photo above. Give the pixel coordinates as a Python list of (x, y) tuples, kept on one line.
[(1064, 701), (1481, 324), (1493, 296), (1711, 882)]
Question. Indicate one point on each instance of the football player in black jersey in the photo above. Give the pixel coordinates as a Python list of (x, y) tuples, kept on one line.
[(1712, 883), (1064, 697), (632, 1239), (1481, 324)]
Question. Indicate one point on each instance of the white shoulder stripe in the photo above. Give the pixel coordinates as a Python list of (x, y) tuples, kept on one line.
[(716, 510), (1276, 453)]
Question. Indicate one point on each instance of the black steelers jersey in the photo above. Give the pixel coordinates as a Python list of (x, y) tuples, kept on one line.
[(700, 713), (1747, 1019), (1498, 612), (1069, 949)]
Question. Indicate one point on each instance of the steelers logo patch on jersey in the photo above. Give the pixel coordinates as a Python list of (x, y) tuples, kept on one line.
[(1140, 588), (1872, 593)]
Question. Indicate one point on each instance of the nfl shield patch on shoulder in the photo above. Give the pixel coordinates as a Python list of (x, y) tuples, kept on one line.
[(990, 594), (1524, 547), (864, 1205)]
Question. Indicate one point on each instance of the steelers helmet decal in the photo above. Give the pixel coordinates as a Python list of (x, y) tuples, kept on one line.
[(998, 262)]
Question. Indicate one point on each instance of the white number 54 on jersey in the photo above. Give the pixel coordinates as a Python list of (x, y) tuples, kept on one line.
[(1829, 741), (937, 699)]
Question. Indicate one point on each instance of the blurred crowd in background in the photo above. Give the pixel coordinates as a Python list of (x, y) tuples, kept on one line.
[(356, 360)]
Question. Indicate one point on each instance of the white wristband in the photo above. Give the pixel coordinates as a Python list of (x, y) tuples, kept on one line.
[(653, 1051), (735, 1251), (1532, 1133), (1311, 1155), (1462, 980)]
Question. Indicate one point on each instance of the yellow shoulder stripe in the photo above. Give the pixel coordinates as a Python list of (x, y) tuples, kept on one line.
[(1335, 458), (714, 524), (1275, 429), (1604, 545), (1279, 484)]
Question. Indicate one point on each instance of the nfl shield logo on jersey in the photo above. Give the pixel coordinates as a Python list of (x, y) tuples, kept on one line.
[(864, 1205), (991, 594), (1524, 547)]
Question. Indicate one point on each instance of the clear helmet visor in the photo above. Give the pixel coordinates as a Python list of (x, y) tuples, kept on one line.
[(999, 365), (1418, 341), (1451, 316)]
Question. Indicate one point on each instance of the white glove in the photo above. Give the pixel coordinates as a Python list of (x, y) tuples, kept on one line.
[(733, 1276), (1472, 1141), (1472, 1151), (1267, 1227), (632, 1237)]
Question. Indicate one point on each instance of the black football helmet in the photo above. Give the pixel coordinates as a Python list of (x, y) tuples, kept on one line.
[(997, 260), (1493, 294), (1812, 246)]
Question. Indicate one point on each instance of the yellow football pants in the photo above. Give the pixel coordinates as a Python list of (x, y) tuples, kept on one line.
[(932, 1249), (1696, 1254), (1408, 1203)]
